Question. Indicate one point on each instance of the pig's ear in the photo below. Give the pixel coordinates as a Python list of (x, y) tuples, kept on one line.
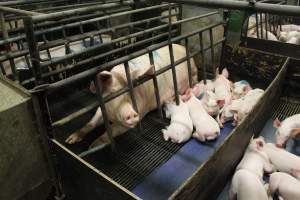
[(295, 132), (225, 72), (276, 123), (92, 88), (149, 70), (221, 102), (104, 79), (259, 144), (217, 72), (247, 88)]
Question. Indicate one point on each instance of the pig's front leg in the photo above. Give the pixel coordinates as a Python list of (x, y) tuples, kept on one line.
[(269, 168), (104, 139), (96, 120)]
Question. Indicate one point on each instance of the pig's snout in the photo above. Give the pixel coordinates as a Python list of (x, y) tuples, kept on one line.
[(280, 142), (131, 119)]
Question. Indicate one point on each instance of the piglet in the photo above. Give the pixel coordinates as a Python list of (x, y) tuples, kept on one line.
[(206, 127), (288, 128), (290, 27), (249, 101), (286, 186), (181, 127), (283, 160), (200, 87), (246, 185), (226, 114), (223, 87), (256, 159), (240, 89)]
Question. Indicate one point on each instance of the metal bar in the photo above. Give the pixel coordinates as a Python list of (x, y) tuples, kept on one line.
[(67, 13), (18, 11), (188, 62), (84, 62), (202, 59), (136, 83), (32, 46), (243, 5), (256, 24), (171, 53), (3, 26), (96, 47), (130, 86), (211, 39), (266, 25), (104, 114), (261, 25), (155, 84), (89, 73)]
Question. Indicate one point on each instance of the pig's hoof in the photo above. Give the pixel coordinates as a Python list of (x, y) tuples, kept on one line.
[(73, 138)]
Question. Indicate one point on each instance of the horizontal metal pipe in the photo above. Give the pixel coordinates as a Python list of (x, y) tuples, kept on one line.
[(243, 5), (89, 21), (18, 11), (67, 13), (89, 73), (98, 47), (83, 62)]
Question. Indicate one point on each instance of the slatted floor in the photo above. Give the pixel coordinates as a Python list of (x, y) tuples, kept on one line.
[(137, 154), (285, 108)]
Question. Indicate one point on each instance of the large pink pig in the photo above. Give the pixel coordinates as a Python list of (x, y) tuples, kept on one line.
[(283, 160), (120, 110), (288, 128), (286, 186), (206, 127)]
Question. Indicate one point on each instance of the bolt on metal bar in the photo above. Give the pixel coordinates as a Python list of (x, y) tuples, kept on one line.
[(104, 114), (155, 84), (188, 62), (90, 72), (132, 97), (171, 53)]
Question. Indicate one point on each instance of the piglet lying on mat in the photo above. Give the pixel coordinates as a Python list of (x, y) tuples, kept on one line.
[(206, 127), (181, 127)]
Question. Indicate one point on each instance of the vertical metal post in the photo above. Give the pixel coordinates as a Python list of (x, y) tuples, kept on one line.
[(33, 50), (256, 24), (212, 50), (3, 26), (261, 25), (172, 59), (42, 121), (156, 89), (179, 17), (104, 114), (202, 58), (130, 85), (266, 25), (188, 62)]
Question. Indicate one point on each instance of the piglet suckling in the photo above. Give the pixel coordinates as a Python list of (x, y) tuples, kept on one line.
[(223, 87), (246, 185), (288, 128), (181, 127), (226, 114), (286, 186), (206, 127)]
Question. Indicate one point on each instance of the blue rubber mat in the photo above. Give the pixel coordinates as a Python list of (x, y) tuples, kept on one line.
[(164, 180)]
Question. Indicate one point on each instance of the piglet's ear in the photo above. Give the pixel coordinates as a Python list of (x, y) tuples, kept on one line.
[(295, 132), (276, 123), (225, 72), (259, 144), (247, 88), (93, 88), (217, 72), (148, 70), (104, 79)]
